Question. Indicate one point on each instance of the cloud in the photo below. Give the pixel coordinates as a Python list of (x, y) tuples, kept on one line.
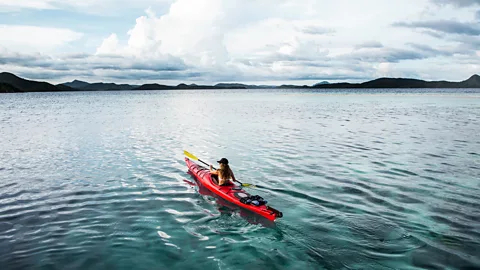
[(75, 62), (466, 35), (413, 52), (468, 42), (200, 40), (8, 5), (109, 45), (458, 3), (477, 15), (391, 55), (461, 49), (103, 7), (428, 49), (317, 30), (24, 38), (369, 44), (213, 32), (434, 34), (446, 26)]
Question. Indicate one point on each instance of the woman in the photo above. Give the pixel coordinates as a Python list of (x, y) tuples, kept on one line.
[(224, 173)]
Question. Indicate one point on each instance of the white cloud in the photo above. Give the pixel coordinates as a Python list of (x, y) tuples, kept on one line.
[(273, 36), (32, 38), (384, 69), (38, 66), (459, 3), (99, 7), (244, 27), (7, 5), (109, 46)]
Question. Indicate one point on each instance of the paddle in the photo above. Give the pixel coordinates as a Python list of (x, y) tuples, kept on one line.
[(191, 156)]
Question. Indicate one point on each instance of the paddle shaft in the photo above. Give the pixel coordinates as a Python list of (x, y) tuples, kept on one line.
[(205, 163)]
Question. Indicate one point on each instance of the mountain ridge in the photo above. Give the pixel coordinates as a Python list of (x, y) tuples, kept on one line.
[(81, 85), (11, 83), (472, 82), (23, 85)]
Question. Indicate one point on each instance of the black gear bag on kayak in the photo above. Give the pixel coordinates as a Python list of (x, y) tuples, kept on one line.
[(253, 199)]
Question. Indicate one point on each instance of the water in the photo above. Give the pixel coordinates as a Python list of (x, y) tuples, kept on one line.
[(367, 180)]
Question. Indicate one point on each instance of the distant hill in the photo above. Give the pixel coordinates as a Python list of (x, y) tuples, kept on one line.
[(320, 83), (234, 86), (291, 86), (155, 86), (8, 88), (184, 86), (85, 86), (64, 88), (23, 85), (109, 86), (76, 84), (472, 82)]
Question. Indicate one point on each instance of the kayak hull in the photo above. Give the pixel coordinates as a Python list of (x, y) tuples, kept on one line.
[(230, 193)]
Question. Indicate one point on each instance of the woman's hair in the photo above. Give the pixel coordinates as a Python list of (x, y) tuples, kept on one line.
[(225, 171)]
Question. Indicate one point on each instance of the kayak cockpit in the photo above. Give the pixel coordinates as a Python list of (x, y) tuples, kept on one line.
[(214, 179)]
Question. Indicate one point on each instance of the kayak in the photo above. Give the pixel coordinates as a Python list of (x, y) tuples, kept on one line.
[(230, 193)]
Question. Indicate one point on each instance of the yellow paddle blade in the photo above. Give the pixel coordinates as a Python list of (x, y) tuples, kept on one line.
[(248, 185), (191, 156)]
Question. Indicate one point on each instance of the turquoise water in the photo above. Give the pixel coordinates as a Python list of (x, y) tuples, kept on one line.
[(368, 180)]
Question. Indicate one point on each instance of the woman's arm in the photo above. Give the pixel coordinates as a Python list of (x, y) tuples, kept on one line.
[(212, 171), (233, 176)]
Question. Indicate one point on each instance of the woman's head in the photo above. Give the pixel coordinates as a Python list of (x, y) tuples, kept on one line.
[(223, 161), (224, 168)]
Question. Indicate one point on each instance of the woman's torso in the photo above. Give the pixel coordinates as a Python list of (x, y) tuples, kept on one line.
[(222, 179)]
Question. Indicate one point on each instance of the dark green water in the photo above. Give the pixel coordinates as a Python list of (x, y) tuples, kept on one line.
[(371, 180)]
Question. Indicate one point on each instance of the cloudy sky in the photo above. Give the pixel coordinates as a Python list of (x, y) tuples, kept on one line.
[(252, 41)]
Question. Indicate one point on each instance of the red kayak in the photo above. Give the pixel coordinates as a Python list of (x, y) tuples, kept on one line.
[(230, 193)]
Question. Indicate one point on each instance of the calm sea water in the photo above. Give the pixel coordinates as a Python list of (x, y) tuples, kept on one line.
[(367, 180)]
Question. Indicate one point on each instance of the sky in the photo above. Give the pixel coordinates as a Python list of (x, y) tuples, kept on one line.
[(248, 41)]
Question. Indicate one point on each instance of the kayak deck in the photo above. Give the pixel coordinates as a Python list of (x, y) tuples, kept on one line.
[(231, 192)]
